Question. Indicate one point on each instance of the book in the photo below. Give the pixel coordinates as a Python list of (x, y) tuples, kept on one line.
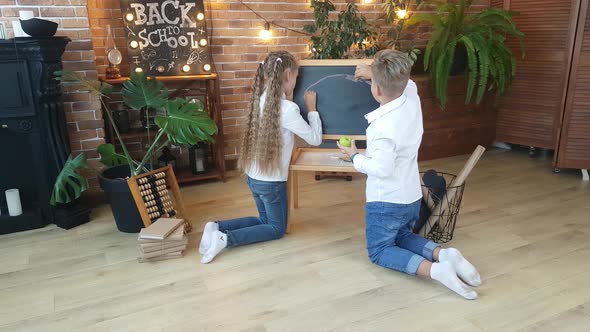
[(151, 247), (163, 252), (160, 229), (176, 235)]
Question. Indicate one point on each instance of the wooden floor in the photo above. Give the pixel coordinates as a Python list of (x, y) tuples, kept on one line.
[(525, 228)]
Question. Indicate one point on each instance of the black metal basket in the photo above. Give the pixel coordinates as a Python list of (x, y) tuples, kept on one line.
[(441, 229)]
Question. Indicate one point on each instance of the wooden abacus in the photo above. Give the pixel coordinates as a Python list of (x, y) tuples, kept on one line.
[(157, 195)]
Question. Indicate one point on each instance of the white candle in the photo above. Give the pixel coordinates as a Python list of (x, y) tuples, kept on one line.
[(25, 14), (200, 166), (13, 201)]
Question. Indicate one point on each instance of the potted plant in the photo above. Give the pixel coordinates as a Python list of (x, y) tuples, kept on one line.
[(396, 14), (335, 39), (183, 124), (490, 62)]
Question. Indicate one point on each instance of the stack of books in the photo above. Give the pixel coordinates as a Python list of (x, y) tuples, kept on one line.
[(164, 239)]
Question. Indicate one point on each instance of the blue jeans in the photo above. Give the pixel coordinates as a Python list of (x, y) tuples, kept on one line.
[(390, 240), (271, 224)]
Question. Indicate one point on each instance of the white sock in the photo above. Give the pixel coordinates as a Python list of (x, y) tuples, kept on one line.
[(218, 242), (210, 227), (465, 270), (446, 275)]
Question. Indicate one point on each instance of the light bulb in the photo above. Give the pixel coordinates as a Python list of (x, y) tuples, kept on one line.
[(200, 16), (129, 17), (401, 13), (186, 68), (138, 70), (367, 1), (134, 44), (203, 42), (206, 67), (265, 33)]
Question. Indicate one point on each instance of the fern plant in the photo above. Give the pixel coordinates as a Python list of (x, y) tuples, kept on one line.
[(332, 39), (184, 124), (491, 63)]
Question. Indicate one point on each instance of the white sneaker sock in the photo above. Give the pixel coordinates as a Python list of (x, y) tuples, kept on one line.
[(210, 227), (465, 270), (446, 275), (218, 242)]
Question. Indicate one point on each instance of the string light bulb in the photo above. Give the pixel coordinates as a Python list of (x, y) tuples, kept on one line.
[(207, 67), (367, 1), (266, 34), (186, 68), (203, 42), (129, 17), (134, 44), (138, 70), (402, 12), (200, 16)]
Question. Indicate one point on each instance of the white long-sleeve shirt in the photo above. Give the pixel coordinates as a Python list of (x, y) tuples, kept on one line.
[(292, 123), (391, 160)]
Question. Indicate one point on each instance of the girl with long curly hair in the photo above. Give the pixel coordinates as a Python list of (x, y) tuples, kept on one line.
[(266, 150)]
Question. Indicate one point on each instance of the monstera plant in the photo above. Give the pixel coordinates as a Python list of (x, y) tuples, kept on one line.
[(491, 64), (183, 124)]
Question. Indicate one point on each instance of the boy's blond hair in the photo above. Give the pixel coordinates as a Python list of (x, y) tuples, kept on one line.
[(391, 71)]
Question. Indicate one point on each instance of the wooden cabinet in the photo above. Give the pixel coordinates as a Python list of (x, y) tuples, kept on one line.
[(573, 146), (549, 105)]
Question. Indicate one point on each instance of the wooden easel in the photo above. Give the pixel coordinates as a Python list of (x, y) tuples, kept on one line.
[(171, 185), (306, 159)]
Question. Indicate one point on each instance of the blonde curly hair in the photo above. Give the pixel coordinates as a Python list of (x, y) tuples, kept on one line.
[(262, 141)]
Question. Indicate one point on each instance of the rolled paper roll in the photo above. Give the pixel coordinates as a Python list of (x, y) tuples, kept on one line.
[(13, 201)]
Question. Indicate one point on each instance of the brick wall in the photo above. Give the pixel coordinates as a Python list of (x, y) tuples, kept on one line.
[(236, 48), (235, 45), (82, 111)]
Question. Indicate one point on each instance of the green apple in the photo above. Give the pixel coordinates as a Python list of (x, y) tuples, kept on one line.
[(345, 141)]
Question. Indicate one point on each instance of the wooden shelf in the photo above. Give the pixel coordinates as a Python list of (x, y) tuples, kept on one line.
[(184, 175), (123, 79)]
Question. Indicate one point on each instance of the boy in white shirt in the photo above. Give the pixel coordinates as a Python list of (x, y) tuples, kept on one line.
[(393, 181)]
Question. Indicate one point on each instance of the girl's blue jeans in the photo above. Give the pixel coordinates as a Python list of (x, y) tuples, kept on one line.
[(271, 224)]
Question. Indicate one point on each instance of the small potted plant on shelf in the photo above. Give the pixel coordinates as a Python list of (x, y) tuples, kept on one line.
[(482, 36), (184, 124), (348, 34)]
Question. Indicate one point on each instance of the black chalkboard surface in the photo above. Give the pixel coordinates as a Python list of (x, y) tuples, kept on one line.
[(342, 100)]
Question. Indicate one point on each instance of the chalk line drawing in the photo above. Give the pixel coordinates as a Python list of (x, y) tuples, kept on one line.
[(146, 55), (344, 76), (130, 31), (136, 60), (196, 56)]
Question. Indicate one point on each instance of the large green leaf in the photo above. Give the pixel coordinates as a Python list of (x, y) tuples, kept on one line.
[(95, 87), (186, 123), (140, 91), (109, 157), (69, 184)]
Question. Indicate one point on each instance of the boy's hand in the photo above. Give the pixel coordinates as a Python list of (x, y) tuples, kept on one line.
[(310, 99), (349, 151), (363, 72)]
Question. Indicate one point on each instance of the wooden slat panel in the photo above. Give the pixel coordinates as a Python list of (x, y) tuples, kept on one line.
[(530, 114), (574, 145)]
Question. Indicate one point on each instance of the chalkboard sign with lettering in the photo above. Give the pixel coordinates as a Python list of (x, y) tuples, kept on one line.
[(166, 38)]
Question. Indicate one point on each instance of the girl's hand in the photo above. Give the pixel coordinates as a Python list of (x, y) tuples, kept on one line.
[(310, 99), (363, 72), (349, 151)]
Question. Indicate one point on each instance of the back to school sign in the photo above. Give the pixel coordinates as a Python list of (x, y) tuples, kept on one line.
[(166, 37)]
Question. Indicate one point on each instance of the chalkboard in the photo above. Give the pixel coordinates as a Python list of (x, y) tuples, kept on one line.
[(166, 38), (342, 100)]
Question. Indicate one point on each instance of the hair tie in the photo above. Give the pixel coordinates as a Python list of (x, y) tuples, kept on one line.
[(279, 60)]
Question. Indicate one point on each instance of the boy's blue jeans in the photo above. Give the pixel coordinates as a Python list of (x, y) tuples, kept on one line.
[(273, 209), (390, 241)]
